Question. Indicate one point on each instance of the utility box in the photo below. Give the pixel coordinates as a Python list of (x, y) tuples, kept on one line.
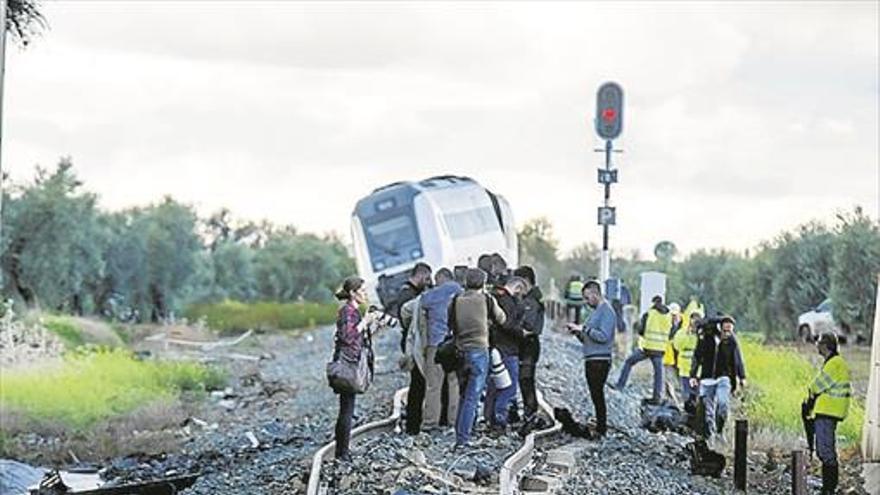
[(650, 284)]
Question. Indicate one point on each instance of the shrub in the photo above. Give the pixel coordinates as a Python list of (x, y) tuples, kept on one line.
[(65, 329), (228, 316)]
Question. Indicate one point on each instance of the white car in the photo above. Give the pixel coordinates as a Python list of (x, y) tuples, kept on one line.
[(819, 320)]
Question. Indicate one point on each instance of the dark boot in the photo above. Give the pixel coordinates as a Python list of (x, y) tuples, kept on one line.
[(830, 475)]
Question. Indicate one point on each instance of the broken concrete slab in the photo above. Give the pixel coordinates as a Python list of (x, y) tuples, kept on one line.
[(539, 483)]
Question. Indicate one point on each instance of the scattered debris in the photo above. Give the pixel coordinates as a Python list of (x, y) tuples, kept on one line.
[(253, 439)]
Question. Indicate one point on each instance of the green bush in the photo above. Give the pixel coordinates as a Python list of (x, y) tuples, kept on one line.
[(121, 332), (778, 381), (91, 385), (65, 329), (229, 316)]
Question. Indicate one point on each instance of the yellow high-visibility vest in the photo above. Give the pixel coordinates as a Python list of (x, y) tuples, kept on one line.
[(669, 352), (832, 386), (656, 331), (574, 291), (685, 343)]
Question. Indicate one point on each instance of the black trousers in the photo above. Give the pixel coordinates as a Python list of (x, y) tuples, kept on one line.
[(529, 352), (415, 400), (343, 423), (576, 310), (597, 373)]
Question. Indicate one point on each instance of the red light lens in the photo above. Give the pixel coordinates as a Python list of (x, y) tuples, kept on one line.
[(608, 114)]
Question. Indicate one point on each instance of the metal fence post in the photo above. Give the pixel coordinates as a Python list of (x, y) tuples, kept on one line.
[(740, 450), (798, 473)]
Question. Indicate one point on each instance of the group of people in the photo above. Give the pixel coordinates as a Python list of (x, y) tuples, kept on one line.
[(703, 356), (489, 310), (476, 312), (699, 356)]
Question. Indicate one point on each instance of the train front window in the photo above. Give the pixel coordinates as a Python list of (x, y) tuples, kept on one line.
[(469, 223), (392, 241)]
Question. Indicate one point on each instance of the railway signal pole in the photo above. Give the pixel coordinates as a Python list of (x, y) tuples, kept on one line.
[(609, 124), (3, 8)]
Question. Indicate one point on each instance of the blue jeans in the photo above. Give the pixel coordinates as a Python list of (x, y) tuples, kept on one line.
[(471, 380), (637, 356), (497, 406), (686, 389), (825, 436), (716, 398)]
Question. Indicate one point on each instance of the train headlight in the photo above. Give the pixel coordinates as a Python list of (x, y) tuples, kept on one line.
[(378, 266), (416, 253)]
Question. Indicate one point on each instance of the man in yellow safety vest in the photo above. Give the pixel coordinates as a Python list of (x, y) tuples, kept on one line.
[(574, 299), (654, 333), (829, 396)]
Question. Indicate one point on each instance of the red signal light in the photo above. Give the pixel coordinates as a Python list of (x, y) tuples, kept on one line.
[(608, 114)]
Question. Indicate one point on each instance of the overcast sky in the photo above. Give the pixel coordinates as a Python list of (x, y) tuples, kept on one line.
[(741, 119)]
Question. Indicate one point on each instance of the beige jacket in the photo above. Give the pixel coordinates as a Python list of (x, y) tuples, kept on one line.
[(413, 317)]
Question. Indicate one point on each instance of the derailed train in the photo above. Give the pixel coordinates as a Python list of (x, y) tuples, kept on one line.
[(443, 221)]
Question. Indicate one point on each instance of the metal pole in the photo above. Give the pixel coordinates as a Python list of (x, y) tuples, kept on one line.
[(871, 428), (798, 473), (605, 263), (740, 449), (3, 8)]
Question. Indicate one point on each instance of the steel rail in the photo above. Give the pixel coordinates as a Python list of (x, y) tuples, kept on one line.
[(371, 428), (516, 463)]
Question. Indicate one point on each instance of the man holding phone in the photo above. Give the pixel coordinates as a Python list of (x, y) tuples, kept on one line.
[(597, 337)]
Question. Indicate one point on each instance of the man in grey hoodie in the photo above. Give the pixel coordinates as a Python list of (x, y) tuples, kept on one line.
[(597, 337)]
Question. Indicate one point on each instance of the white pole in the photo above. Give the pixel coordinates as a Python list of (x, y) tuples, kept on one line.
[(2, 77), (871, 428), (605, 266)]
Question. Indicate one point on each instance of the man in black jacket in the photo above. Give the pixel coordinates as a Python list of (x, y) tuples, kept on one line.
[(419, 280), (506, 337), (716, 365), (530, 347)]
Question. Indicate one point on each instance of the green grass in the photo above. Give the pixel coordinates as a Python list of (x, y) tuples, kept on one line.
[(121, 332), (93, 385), (778, 380), (65, 329), (230, 316)]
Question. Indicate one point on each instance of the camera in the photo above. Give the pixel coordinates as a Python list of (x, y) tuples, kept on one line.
[(381, 318)]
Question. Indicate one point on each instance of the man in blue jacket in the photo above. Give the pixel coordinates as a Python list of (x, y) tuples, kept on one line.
[(436, 304), (597, 337)]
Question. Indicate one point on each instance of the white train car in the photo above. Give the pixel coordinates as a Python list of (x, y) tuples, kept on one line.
[(442, 221)]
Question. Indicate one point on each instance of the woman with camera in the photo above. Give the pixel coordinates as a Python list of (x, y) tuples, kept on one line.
[(349, 342)]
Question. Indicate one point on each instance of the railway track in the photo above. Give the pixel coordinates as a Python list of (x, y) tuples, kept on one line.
[(512, 469)]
